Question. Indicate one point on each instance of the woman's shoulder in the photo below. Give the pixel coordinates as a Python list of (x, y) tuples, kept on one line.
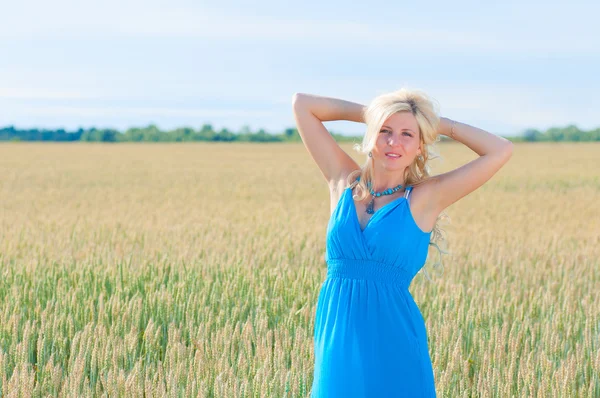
[(422, 204)]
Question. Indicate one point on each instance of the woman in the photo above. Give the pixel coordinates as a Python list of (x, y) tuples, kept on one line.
[(370, 338)]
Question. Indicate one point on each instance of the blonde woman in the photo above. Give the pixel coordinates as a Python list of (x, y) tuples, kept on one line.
[(369, 337)]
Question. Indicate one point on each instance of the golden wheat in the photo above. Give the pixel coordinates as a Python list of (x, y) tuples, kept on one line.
[(194, 270)]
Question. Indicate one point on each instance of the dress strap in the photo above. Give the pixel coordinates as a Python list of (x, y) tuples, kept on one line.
[(354, 183), (407, 191)]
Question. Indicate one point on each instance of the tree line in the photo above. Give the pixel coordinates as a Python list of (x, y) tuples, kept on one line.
[(152, 133)]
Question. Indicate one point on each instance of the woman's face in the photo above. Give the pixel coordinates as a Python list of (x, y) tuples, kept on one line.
[(399, 135)]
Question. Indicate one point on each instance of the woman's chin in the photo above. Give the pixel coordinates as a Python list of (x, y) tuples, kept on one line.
[(394, 166)]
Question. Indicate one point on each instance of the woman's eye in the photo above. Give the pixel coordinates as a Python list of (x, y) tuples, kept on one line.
[(388, 131)]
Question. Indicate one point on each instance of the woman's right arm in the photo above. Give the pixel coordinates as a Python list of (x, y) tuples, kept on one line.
[(309, 112)]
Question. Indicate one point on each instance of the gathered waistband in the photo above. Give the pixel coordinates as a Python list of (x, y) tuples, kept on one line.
[(368, 270)]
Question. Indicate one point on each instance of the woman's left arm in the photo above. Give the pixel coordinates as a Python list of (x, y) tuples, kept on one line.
[(494, 151), (480, 141)]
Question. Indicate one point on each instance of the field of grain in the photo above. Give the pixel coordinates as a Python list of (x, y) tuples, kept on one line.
[(194, 270)]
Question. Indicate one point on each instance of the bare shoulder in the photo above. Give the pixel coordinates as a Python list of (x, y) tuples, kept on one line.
[(338, 186), (422, 204)]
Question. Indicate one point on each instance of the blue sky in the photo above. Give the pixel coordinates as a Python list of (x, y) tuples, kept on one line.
[(503, 66)]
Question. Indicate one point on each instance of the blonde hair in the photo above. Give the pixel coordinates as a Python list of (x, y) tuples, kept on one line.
[(426, 111)]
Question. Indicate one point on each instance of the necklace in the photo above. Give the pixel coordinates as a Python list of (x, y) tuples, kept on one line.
[(371, 205)]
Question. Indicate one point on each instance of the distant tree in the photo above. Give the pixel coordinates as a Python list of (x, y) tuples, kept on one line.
[(152, 133), (224, 135), (291, 134), (532, 135)]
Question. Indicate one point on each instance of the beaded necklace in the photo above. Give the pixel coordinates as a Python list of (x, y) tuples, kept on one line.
[(371, 206)]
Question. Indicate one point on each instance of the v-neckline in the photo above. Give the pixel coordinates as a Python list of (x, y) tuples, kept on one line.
[(354, 210)]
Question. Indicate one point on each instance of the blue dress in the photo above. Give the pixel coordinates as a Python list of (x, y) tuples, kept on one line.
[(369, 336)]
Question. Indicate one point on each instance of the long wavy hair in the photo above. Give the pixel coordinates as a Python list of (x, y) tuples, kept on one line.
[(426, 111)]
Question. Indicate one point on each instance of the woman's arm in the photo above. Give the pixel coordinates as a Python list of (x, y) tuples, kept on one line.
[(328, 109), (447, 188), (480, 141), (309, 113)]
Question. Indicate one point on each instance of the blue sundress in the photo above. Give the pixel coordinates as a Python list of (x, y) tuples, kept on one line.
[(369, 336)]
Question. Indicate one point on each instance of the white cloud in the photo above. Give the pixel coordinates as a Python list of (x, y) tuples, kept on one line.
[(119, 111), (516, 105), (26, 93), (482, 104), (31, 90), (67, 19)]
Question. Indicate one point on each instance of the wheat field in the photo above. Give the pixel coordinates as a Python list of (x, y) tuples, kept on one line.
[(153, 270)]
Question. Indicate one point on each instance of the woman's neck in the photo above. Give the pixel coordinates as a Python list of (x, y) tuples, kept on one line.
[(384, 180)]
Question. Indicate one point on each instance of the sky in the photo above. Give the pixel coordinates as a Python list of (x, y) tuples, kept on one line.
[(503, 66)]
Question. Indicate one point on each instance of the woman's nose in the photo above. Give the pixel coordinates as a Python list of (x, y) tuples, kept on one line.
[(394, 139)]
